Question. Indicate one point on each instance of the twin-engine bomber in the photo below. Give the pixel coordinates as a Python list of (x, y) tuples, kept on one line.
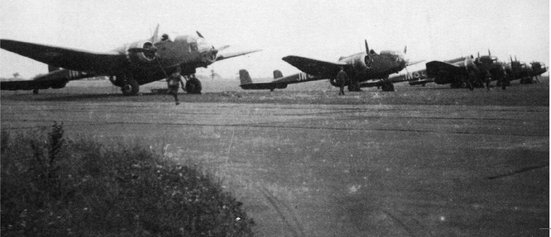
[(128, 67), (364, 69)]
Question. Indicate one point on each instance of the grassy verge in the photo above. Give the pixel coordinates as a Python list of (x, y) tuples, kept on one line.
[(54, 186)]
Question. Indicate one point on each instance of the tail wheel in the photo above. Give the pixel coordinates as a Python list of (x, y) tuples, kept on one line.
[(131, 87), (193, 86)]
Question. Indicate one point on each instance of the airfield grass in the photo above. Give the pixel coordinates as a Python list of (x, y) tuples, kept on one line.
[(55, 186)]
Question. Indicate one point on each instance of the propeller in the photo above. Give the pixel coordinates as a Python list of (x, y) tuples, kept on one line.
[(406, 49), (368, 59), (199, 34), (222, 47)]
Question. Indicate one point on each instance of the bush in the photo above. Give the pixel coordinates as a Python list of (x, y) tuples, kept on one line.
[(52, 186)]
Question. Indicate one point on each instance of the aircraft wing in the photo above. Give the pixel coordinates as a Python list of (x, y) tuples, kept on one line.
[(414, 62), (263, 86), (318, 68), (55, 79), (434, 67), (32, 84), (222, 56), (73, 59)]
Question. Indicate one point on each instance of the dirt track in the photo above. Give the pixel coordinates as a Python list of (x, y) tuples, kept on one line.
[(408, 164)]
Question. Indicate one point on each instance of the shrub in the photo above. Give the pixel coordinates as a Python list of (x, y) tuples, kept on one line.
[(52, 186)]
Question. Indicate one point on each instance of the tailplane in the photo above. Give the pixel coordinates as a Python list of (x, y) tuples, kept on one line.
[(245, 77), (277, 74)]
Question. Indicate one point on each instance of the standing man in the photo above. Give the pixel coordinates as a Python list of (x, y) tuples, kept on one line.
[(174, 81), (342, 77), (487, 80)]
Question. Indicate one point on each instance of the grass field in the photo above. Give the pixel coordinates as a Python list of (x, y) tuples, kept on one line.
[(422, 161)]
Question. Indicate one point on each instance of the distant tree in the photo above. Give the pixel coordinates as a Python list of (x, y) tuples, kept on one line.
[(16, 75)]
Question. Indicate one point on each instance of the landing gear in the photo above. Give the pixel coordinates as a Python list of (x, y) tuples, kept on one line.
[(193, 85), (458, 84), (128, 85), (527, 80), (387, 85), (354, 85)]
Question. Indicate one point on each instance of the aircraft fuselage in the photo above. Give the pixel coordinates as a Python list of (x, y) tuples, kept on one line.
[(374, 66), (184, 52)]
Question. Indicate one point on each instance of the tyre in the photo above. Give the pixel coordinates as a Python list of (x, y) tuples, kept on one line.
[(131, 87), (193, 86)]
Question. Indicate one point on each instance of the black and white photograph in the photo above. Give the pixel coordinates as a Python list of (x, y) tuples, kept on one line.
[(274, 118)]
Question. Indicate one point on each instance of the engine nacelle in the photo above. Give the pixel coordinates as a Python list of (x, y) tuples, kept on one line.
[(141, 52), (360, 62)]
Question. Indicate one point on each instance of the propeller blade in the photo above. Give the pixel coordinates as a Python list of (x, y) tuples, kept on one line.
[(155, 36), (405, 49), (478, 54), (366, 47), (199, 34), (414, 62), (489, 53), (223, 47)]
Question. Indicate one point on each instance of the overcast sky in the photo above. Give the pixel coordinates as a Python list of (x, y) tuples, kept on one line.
[(432, 30)]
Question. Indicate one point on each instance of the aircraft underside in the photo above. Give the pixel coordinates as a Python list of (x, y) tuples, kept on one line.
[(130, 82)]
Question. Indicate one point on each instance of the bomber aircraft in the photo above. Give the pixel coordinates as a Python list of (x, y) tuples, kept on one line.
[(363, 69), (466, 71), (538, 68), (525, 72), (128, 66)]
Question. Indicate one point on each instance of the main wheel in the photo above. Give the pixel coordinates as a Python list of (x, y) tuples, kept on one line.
[(131, 87), (193, 86)]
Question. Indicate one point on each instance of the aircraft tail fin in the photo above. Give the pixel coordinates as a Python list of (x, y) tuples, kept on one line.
[(52, 68), (245, 77), (277, 74)]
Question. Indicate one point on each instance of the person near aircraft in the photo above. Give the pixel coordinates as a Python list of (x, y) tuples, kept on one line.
[(341, 80), (487, 80), (165, 37), (174, 81)]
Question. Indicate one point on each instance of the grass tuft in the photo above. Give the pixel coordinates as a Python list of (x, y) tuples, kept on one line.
[(53, 186)]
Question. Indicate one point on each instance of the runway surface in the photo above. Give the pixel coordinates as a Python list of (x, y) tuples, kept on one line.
[(387, 169)]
